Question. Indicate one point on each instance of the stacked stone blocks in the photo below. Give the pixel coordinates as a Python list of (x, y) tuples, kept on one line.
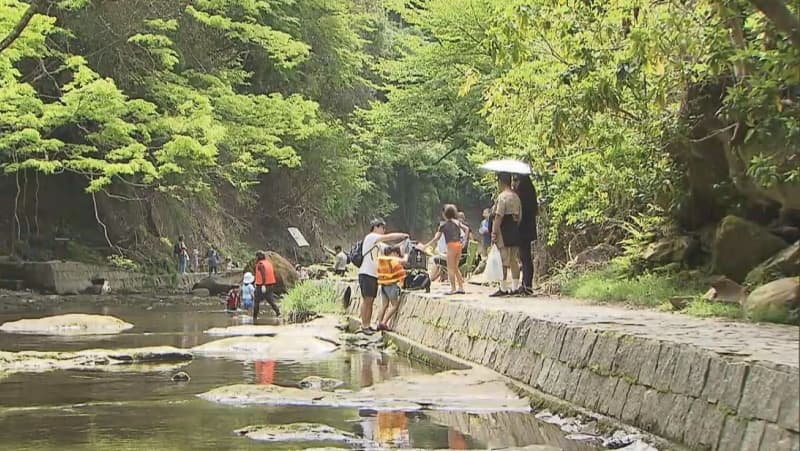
[(677, 391)]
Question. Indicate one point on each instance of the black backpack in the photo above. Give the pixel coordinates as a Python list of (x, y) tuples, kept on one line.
[(177, 249), (356, 254)]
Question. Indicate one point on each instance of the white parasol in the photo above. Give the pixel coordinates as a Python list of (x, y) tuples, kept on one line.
[(509, 166)]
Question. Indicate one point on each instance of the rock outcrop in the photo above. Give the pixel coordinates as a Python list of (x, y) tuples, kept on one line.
[(70, 324), (105, 359), (741, 245), (472, 390), (320, 383), (785, 263), (777, 301), (304, 433), (214, 287), (675, 249)]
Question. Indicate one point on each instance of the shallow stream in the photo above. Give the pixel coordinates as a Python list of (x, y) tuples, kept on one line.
[(123, 409)]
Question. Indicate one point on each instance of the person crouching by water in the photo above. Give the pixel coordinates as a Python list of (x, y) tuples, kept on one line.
[(451, 229), (248, 291), (265, 284), (391, 275), (368, 271), (234, 299)]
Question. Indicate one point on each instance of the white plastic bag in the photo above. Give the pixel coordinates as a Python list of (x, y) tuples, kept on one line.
[(494, 266)]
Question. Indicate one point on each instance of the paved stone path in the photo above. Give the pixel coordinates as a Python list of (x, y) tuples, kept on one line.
[(771, 344)]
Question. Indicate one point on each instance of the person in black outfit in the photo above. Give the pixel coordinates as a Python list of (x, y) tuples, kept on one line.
[(527, 229)]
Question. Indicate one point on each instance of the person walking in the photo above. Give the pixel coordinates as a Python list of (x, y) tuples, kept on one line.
[(505, 233), (527, 230), (368, 270), (453, 232), (265, 284), (391, 275)]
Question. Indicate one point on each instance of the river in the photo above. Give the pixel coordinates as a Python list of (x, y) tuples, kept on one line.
[(125, 409)]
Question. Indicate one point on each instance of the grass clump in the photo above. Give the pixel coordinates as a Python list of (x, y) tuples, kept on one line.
[(612, 285), (309, 299), (703, 309)]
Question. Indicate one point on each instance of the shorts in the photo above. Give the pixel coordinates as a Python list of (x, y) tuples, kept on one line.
[(391, 292), (455, 246), (269, 296), (509, 255), (368, 285)]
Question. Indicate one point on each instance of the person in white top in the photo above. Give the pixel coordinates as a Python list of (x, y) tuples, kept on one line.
[(368, 271)]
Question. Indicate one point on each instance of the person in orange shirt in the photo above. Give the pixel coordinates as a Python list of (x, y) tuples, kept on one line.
[(265, 284)]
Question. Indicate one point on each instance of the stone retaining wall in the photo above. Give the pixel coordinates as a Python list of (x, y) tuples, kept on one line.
[(68, 277), (683, 393)]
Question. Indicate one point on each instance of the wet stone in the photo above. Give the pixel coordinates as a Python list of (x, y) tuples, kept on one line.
[(762, 396), (607, 389), (667, 361), (732, 434), (633, 404), (735, 375), (775, 439), (303, 432), (752, 435), (716, 376), (618, 401), (543, 374), (789, 412), (603, 352), (676, 420), (690, 371), (629, 359)]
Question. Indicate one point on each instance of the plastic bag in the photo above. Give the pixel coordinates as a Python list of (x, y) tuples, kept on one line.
[(494, 266)]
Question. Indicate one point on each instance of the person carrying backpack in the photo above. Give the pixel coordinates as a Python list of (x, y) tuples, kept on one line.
[(365, 257)]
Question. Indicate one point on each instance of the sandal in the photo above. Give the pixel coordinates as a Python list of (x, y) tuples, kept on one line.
[(461, 292)]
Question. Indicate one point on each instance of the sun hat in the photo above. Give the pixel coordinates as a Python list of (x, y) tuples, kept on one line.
[(248, 278)]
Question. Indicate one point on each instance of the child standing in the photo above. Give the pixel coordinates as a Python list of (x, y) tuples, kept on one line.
[(233, 300), (391, 275), (248, 290), (451, 229)]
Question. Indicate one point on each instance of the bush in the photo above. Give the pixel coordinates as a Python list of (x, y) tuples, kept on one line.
[(309, 299)]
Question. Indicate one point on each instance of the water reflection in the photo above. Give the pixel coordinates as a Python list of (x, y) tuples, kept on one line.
[(123, 410)]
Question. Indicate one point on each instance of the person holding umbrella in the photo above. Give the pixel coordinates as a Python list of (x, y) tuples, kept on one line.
[(505, 233)]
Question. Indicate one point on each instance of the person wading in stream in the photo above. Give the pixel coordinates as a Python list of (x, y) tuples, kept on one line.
[(368, 269), (265, 284)]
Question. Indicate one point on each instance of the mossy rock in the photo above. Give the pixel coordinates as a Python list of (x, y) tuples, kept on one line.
[(741, 245), (775, 302), (785, 263)]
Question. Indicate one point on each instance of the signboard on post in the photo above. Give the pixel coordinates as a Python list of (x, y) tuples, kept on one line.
[(298, 237)]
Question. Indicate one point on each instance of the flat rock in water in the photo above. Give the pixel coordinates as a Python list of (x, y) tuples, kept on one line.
[(134, 359), (316, 339), (320, 383), (71, 324), (304, 432), (468, 391), (280, 347)]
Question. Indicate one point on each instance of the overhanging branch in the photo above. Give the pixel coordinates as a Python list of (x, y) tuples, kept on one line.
[(20, 26)]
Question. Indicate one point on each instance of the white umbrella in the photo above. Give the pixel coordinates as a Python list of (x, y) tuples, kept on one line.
[(509, 166)]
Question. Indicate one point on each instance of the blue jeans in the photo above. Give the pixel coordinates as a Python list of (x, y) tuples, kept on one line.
[(183, 262)]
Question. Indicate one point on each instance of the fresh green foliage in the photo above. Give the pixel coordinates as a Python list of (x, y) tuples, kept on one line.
[(311, 298), (613, 285), (703, 309)]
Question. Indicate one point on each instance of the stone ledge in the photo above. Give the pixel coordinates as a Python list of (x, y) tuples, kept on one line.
[(679, 391)]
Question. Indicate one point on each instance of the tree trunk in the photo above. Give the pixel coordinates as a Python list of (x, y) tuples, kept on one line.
[(782, 17)]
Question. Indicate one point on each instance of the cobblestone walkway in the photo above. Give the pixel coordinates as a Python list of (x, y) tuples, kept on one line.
[(770, 344)]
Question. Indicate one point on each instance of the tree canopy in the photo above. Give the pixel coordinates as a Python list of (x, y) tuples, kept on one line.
[(335, 111)]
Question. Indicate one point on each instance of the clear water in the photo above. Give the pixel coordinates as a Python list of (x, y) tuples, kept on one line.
[(99, 410)]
